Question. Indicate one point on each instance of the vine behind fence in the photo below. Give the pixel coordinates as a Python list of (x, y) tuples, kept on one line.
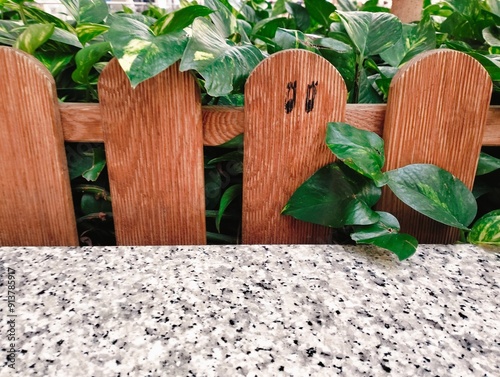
[(154, 137)]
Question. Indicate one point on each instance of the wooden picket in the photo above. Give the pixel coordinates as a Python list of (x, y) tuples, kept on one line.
[(36, 207), (154, 136), (154, 147), (430, 119), (289, 98)]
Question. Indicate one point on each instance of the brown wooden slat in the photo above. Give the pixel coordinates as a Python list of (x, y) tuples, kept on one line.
[(431, 119), (36, 205), (283, 149), (154, 145), (82, 122)]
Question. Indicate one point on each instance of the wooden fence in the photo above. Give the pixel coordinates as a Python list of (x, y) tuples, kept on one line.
[(438, 112)]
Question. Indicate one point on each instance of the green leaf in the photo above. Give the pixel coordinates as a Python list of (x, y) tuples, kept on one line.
[(180, 19), (268, 26), (335, 196), (229, 195), (487, 164), (140, 53), (55, 62), (290, 39), (341, 55), (401, 244), (92, 204), (85, 160), (415, 40), (371, 33), (33, 37), (98, 164), (387, 224), (486, 230), (299, 14), (66, 37), (86, 58), (435, 193), (94, 11), (222, 65), (385, 234), (278, 8), (320, 11), (88, 31), (224, 21), (9, 31), (362, 151), (492, 35)]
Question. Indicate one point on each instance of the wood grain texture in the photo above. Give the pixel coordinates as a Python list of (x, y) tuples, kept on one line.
[(37, 206), (431, 119), (82, 122), (283, 149), (154, 148), (407, 10)]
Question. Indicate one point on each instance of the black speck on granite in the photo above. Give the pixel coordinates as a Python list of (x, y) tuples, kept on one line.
[(253, 311)]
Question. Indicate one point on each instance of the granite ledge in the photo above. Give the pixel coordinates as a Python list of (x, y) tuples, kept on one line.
[(253, 311)]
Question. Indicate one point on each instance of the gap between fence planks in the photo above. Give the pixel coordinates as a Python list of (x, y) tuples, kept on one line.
[(81, 122)]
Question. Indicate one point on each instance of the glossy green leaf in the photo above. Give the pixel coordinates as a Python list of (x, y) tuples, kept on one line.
[(67, 37), (86, 32), (222, 65), (415, 39), (268, 26), (320, 11), (486, 230), (9, 31), (335, 196), (54, 62), (98, 164), (86, 58), (371, 33), (33, 37), (278, 8), (492, 35), (341, 55), (434, 192), (401, 244), (229, 195), (223, 19), (288, 39), (487, 164), (180, 19), (140, 53), (387, 224), (385, 234), (83, 11), (299, 14), (361, 150)]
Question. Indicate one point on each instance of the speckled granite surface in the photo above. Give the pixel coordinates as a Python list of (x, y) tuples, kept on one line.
[(253, 311)]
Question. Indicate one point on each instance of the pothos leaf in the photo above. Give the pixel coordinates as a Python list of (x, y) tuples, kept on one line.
[(221, 64), (335, 196), (435, 193), (33, 37), (140, 53)]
